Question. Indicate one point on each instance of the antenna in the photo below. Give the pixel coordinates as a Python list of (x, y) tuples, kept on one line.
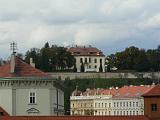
[(13, 47)]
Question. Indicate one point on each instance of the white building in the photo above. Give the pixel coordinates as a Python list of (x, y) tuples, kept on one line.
[(25, 90), (114, 101), (91, 57)]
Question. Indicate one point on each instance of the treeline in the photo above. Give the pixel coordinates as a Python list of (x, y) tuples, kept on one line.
[(135, 59), (51, 58)]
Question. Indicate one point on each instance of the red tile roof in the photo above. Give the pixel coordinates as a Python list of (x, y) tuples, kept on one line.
[(75, 118), (85, 51), (22, 69), (155, 91), (126, 91)]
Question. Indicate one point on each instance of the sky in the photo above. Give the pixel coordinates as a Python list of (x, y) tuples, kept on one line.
[(110, 25)]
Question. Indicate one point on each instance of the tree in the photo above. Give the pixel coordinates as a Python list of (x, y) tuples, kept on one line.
[(74, 68), (46, 45), (141, 62), (51, 59)]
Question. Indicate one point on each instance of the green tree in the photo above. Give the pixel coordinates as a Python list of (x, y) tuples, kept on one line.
[(74, 68), (141, 62)]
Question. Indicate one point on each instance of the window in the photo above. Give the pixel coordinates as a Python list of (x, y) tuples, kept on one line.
[(127, 112), (81, 60), (133, 112), (130, 104), (32, 97), (95, 66), (109, 104), (154, 107), (95, 60), (89, 60), (85, 60), (123, 112), (109, 112), (114, 104), (130, 112), (117, 104), (137, 112), (100, 60), (133, 104), (124, 104), (120, 104), (137, 104), (105, 104)]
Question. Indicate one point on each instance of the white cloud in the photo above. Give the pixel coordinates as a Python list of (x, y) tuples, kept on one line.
[(97, 22)]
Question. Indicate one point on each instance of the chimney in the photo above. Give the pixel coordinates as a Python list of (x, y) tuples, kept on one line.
[(31, 62), (12, 63)]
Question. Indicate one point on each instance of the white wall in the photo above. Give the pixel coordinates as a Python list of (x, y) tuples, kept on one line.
[(42, 101)]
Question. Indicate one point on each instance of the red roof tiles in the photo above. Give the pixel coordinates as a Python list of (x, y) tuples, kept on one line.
[(75, 118), (85, 51), (126, 91), (155, 91), (22, 69)]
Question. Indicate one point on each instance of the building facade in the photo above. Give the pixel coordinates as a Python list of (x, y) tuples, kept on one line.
[(25, 90), (152, 103), (114, 101), (91, 58)]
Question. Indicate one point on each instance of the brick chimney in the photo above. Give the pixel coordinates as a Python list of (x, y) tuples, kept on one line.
[(12, 63)]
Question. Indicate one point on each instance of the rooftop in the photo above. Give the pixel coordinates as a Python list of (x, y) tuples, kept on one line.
[(155, 91), (75, 118), (85, 51), (21, 69), (123, 92)]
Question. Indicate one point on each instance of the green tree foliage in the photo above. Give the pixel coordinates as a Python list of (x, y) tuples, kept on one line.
[(136, 59), (52, 58), (75, 68), (154, 59)]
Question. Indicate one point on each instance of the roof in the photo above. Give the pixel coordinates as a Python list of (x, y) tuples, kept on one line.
[(22, 69), (75, 118), (123, 92), (155, 91), (85, 51)]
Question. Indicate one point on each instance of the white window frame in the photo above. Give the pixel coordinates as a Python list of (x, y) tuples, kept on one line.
[(35, 96)]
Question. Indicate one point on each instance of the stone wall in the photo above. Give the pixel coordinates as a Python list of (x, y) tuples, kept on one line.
[(67, 75)]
